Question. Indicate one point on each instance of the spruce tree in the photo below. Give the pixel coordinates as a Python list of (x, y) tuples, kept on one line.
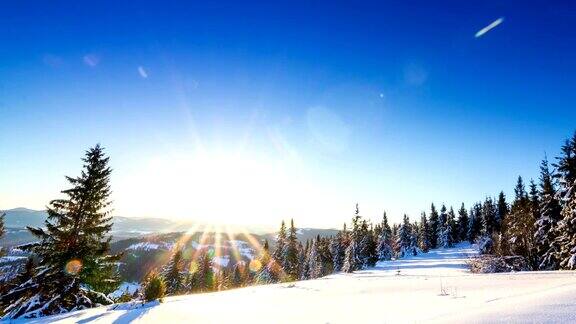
[(2, 228), (520, 225), (75, 270), (351, 263), (405, 238), (547, 224), (502, 210), (338, 251), (453, 225), (290, 255), (444, 239), (463, 223), (423, 241), (475, 227), (384, 248), (488, 217), (433, 221), (564, 247), (172, 274), (280, 250)]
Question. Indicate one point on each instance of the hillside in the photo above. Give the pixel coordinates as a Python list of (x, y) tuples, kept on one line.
[(433, 287)]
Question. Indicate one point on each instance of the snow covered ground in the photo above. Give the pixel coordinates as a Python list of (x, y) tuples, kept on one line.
[(433, 287)]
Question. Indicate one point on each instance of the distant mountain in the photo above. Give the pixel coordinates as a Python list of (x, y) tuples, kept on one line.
[(22, 217), (127, 227)]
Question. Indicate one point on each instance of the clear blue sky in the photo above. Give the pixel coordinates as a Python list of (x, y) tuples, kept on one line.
[(253, 112)]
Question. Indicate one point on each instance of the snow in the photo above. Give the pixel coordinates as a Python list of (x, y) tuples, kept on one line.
[(129, 287), (221, 261), (148, 246), (433, 287)]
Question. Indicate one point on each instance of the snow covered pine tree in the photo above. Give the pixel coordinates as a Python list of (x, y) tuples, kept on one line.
[(74, 265)]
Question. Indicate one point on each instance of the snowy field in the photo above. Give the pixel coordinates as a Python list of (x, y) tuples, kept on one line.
[(433, 287)]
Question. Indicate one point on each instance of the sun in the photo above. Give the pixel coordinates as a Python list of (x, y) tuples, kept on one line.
[(219, 187)]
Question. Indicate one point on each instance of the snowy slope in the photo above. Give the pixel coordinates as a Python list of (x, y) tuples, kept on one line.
[(433, 287)]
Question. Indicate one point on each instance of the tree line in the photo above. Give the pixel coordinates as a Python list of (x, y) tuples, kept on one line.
[(71, 267)]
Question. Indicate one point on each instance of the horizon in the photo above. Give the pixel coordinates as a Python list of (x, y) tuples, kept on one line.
[(262, 113)]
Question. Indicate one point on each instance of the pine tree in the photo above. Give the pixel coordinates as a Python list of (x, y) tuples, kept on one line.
[(2, 228), (546, 225), (503, 210), (404, 238), (290, 255), (173, 274), (384, 248), (564, 246), (488, 217), (74, 264), (350, 258), (280, 250), (475, 222), (453, 225), (268, 270), (337, 250), (423, 241), (463, 223), (433, 221), (520, 225), (444, 239)]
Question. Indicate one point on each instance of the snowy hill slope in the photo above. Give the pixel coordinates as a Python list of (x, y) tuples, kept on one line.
[(433, 287)]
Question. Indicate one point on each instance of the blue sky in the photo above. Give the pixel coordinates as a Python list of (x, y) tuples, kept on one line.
[(250, 112)]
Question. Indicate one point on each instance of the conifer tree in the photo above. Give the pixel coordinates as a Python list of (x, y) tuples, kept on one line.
[(503, 210), (564, 247), (75, 270), (520, 224), (453, 225), (547, 224), (444, 239), (475, 227), (290, 255), (423, 242), (433, 221), (280, 250), (488, 217), (337, 250), (351, 263), (172, 274), (384, 249), (2, 228), (463, 223), (404, 238)]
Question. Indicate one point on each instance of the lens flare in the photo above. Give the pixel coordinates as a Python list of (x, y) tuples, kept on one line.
[(255, 265), (194, 267), (73, 267)]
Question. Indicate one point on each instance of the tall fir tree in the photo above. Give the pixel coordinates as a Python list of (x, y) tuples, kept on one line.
[(564, 246), (475, 222), (405, 238), (280, 249), (351, 262), (444, 240), (75, 269), (423, 234), (547, 224), (384, 248), (488, 217), (172, 274), (520, 225), (453, 225), (433, 221), (290, 255), (463, 223), (502, 210)]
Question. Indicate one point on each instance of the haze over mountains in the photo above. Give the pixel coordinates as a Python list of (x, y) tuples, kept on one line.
[(17, 219)]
